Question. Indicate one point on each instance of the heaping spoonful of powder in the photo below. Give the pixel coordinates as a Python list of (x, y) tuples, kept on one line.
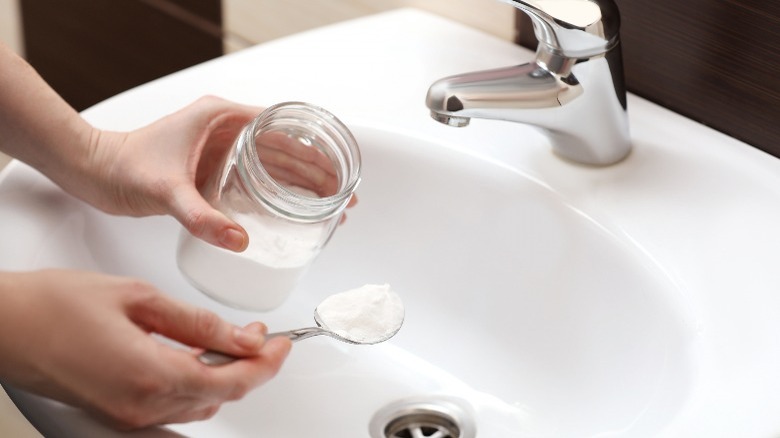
[(367, 315)]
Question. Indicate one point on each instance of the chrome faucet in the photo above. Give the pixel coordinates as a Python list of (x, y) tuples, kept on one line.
[(573, 90)]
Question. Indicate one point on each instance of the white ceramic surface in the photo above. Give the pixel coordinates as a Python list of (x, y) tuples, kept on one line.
[(556, 300)]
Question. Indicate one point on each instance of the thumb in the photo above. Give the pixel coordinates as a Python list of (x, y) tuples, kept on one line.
[(205, 222)]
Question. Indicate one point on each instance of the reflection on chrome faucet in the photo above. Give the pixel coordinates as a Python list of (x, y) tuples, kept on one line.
[(573, 90)]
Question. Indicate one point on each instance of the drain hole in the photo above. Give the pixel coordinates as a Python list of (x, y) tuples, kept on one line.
[(424, 417), (422, 425)]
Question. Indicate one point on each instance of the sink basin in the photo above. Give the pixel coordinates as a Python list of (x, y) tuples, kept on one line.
[(516, 301), (544, 298)]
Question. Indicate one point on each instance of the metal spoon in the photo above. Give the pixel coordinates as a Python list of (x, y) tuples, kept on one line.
[(214, 358)]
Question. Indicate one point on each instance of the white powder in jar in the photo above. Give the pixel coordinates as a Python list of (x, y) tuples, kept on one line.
[(259, 278), (366, 315)]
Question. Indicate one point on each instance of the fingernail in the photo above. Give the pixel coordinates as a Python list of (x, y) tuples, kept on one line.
[(257, 327), (232, 239), (247, 337)]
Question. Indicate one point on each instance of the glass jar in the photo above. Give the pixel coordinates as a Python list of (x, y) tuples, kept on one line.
[(286, 181)]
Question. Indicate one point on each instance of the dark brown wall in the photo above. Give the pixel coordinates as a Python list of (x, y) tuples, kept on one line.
[(89, 50), (715, 61)]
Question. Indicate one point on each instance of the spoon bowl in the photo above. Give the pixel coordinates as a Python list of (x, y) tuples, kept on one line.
[(345, 337)]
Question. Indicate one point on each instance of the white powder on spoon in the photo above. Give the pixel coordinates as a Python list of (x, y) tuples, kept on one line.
[(366, 315)]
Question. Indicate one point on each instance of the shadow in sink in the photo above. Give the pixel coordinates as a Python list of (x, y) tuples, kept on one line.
[(538, 317)]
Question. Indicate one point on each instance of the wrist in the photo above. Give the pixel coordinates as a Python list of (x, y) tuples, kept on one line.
[(39, 128), (72, 163)]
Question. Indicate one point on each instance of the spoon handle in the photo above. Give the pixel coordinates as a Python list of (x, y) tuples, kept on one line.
[(214, 358), (298, 334)]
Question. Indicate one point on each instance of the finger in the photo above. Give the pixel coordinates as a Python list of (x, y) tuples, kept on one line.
[(295, 148), (224, 121), (313, 176), (291, 180), (195, 326), (241, 376), (199, 414), (205, 222), (231, 381), (217, 106)]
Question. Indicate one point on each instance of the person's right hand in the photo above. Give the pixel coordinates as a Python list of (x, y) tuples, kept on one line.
[(85, 339)]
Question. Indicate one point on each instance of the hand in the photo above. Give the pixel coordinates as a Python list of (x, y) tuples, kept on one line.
[(158, 169), (153, 170), (84, 339)]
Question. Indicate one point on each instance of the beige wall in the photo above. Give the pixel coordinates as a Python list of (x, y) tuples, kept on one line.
[(11, 35), (10, 28), (255, 21)]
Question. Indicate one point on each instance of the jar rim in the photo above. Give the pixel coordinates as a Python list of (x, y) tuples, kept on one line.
[(282, 199)]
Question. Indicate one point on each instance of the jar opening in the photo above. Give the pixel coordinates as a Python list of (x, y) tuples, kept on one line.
[(300, 160)]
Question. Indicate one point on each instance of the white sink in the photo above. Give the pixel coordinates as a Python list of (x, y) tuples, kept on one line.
[(547, 299)]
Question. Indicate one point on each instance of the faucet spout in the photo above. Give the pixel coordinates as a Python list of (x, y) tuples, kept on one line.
[(580, 102), (490, 94)]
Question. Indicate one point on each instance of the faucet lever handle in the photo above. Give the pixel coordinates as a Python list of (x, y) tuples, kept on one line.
[(573, 28)]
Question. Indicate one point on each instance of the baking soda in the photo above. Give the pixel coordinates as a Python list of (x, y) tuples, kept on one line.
[(368, 314), (259, 278)]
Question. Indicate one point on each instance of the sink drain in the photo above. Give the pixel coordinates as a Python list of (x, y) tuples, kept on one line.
[(422, 424), (444, 417)]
